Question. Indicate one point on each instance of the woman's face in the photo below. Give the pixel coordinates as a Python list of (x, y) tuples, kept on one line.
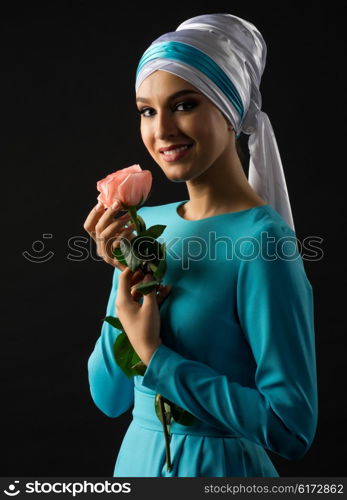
[(190, 118)]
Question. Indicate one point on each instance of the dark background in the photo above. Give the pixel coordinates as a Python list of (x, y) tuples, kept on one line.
[(68, 115)]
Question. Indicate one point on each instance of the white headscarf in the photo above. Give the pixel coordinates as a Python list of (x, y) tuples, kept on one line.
[(224, 57)]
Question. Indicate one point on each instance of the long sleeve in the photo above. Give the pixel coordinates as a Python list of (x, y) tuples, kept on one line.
[(275, 312), (110, 388)]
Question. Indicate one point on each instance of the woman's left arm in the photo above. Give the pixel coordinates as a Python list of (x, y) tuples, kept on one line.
[(275, 309)]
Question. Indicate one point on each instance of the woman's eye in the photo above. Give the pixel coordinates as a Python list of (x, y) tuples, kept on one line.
[(190, 105), (187, 103), (142, 111)]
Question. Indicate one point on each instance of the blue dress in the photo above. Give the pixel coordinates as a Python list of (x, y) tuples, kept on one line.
[(238, 351)]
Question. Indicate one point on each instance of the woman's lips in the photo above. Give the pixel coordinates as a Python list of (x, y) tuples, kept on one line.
[(172, 157)]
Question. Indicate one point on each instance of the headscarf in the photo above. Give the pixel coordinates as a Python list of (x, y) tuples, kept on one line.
[(224, 57)]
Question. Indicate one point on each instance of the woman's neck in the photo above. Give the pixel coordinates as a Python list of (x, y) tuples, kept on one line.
[(223, 188)]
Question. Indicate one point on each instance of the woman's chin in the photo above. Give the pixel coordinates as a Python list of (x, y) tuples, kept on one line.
[(177, 172), (177, 176)]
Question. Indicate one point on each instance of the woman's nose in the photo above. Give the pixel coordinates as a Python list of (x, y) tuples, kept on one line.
[(165, 124)]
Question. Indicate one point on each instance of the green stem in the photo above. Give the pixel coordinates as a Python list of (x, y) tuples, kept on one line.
[(166, 435), (133, 216)]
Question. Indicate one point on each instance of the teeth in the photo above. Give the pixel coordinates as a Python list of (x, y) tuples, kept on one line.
[(173, 151)]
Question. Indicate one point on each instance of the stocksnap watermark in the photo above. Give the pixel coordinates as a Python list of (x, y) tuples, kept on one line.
[(188, 249)]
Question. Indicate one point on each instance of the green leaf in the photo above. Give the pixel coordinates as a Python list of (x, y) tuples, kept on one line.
[(153, 266), (114, 322), (125, 355), (139, 367), (182, 416), (163, 250), (159, 267), (147, 287), (142, 224), (154, 231), (146, 248), (159, 274), (131, 260), (161, 270), (167, 408), (119, 256)]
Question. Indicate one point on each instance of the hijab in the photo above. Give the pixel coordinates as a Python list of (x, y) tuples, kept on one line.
[(224, 57)]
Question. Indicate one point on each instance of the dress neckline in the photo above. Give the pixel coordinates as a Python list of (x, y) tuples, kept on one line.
[(229, 214)]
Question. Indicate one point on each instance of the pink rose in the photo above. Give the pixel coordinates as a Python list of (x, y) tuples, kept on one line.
[(131, 186)]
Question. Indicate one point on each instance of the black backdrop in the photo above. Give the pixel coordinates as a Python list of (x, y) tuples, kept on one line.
[(68, 112)]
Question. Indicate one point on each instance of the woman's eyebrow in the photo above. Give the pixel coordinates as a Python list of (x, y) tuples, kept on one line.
[(172, 96)]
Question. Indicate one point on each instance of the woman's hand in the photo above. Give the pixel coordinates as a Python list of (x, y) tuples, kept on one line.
[(140, 322), (107, 232)]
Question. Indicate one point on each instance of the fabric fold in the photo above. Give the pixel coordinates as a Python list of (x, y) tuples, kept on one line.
[(266, 175)]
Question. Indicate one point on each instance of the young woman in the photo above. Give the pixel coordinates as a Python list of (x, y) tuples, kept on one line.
[(232, 341)]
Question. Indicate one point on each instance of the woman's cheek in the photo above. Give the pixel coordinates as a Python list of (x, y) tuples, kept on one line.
[(146, 141)]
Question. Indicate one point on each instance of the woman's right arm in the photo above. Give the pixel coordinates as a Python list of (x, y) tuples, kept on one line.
[(112, 391), (110, 388)]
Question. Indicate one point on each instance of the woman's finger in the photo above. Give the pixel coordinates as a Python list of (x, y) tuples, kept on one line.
[(161, 295), (114, 241), (124, 297), (138, 277), (92, 219), (135, 294), (106, 239), (107, 218), (115, 228), (98, 218)]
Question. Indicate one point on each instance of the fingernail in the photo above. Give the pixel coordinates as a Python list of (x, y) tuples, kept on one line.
[(98, 206), (115, 204)]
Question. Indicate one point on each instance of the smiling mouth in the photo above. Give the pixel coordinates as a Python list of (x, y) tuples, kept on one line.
[(175, 154)]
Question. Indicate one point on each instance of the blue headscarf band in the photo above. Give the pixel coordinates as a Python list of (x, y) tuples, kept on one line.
[(178, 51)]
